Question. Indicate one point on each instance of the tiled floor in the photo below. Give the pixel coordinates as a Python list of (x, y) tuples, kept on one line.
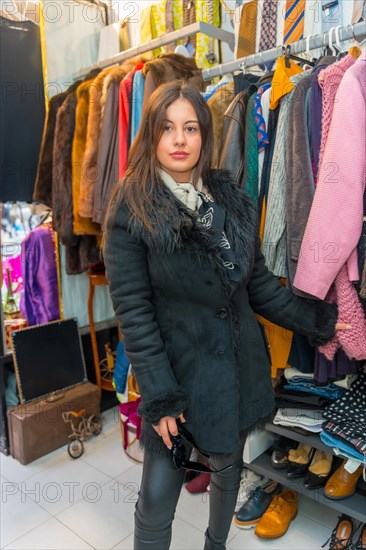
[(60, 503)]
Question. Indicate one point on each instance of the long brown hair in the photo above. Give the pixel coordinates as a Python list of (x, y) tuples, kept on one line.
[(142, 173)]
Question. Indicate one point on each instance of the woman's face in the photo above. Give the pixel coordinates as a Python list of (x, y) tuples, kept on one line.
[(180, 144)]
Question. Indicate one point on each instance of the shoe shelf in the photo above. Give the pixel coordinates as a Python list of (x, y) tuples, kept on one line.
[(311, 439), (354, 506)]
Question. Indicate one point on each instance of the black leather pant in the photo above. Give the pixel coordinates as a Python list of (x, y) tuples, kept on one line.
[(160, 489)]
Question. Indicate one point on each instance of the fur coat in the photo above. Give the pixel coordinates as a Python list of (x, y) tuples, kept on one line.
[(191, 334), (82, 225)]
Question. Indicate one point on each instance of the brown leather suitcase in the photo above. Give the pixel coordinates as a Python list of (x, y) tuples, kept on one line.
[(37, 428)]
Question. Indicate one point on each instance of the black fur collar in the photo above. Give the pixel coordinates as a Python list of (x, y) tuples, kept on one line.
[(178, 228)]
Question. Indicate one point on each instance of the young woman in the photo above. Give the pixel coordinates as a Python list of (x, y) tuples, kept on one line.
[(186, 279)]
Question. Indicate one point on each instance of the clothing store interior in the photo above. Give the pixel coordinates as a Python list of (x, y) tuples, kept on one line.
[(285, 81)]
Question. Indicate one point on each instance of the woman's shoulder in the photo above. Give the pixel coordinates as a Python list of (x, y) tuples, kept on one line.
[(225, 190)]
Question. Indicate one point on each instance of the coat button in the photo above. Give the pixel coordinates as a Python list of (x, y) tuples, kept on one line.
[(209, 283), (221, 313)]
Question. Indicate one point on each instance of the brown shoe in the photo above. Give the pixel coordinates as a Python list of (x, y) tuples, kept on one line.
[(341, 483), (276, 520)]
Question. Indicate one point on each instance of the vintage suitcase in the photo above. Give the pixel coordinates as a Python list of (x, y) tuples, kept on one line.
[(37, 428), (51, 376)]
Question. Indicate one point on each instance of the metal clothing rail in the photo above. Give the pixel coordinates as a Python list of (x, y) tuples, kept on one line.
[(357, 31), (205, 28)]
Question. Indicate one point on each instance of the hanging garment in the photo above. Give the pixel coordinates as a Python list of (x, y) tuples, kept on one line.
[(80, 250), (340, 200), (281, 83), (247, 29), (299, 177), (359, 11), (316, 100), (107, 175), (82, 226), (218, 104), (263, 140), (138, 87), (109, 43), (71, 40), (329, 80), (274, 238), (233, 139), (40, 298), (89, 169), (207, 48), (158, 25), (251, 151), (125, 96), (43, 184), (22, 107), (294, 21), (340, 365), (351, 313), (331, 14)]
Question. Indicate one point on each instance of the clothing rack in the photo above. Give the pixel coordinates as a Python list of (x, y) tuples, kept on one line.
[(357, 32), (201, 26)]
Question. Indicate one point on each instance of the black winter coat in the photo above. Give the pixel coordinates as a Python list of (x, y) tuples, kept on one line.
[(191, 335)]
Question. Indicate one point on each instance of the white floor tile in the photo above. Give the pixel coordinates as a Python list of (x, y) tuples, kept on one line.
[(18, 513), (193, 509), (63, 484), (184, 537), (51, 535), (110, 421), (106, 517), (303, 534), (107, 455), (13, 470)]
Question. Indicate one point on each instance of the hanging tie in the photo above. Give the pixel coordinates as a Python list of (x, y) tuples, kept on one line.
[(268, 36), (189, 17), (247, 29), (294, 22), (358, 11), (169, 24)]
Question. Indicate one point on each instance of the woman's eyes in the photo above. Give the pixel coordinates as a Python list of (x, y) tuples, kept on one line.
[(189, 129)]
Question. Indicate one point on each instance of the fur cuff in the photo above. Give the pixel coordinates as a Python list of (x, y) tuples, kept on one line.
[(167, 404), (326, 319)]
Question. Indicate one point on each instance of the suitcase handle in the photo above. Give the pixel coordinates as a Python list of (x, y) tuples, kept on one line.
[(54, 397)]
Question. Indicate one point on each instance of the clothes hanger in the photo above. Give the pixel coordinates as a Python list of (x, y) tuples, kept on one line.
[(289, 55)]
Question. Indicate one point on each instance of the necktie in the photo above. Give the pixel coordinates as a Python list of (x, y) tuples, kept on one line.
[(169, 24), (247, 29), (294, 23), (189, 17), (268, 37), (358, 11)]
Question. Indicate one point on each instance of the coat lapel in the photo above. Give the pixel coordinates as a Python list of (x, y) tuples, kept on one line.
[(176, 228)]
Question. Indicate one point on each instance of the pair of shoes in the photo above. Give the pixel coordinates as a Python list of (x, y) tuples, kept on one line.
[(199, 484), (249, 482), (360, 543), (299, 460), (281, 448), (342, 534), (319, 470), (252, 511), (276, 520), (341, 483)]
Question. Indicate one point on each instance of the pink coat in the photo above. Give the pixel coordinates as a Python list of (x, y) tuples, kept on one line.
[(335, 221)]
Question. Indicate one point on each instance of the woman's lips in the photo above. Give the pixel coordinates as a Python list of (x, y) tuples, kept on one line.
[(179, 155)]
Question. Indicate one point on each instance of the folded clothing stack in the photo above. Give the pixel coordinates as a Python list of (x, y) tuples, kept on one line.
[(307, 419), (345, 428)]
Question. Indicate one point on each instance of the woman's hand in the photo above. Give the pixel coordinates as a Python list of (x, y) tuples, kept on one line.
[(167, 426), (343, 326)]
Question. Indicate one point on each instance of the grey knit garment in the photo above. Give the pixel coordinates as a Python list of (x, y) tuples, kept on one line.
[(274, 239)]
